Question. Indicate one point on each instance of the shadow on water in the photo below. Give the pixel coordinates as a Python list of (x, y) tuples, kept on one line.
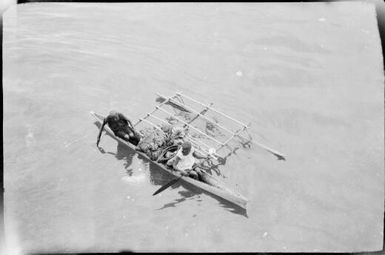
[(122, 153), (189, 192), (160, 177), (192, 192), (223, 203), (185, 195)]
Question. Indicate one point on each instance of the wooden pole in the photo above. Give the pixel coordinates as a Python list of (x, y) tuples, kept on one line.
[(211, 138), (228, 140), (201, 143), (192, 140), (198, 143), (234, 134), (276, 153), (199, 114), (227, 116)]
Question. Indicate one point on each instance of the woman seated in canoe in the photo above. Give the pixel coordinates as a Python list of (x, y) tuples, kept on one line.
[(185, 161), (121, 126)]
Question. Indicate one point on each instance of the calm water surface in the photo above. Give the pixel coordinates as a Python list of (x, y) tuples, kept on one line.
[(307, 76)]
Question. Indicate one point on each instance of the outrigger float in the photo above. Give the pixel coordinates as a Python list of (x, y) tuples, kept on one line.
[(206, 142)]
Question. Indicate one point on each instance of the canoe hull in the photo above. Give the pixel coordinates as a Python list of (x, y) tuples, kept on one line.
[(217, 190)]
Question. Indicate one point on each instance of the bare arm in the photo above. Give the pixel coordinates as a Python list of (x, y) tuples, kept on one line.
[(176, 161), (199, 155), (100, 132), (129, 123)]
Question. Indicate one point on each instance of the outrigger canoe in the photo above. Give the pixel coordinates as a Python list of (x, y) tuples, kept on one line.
[(215, 187), (217, 144)]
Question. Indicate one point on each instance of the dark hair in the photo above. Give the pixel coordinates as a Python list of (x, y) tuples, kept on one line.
[(186, 146)]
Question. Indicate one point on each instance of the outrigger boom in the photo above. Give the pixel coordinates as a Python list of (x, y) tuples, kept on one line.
[(237, 133)]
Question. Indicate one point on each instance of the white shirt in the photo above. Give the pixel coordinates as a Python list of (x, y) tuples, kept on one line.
[(185, 162)]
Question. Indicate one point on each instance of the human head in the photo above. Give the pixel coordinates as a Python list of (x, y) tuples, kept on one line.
[(114, 114), (186, 148)]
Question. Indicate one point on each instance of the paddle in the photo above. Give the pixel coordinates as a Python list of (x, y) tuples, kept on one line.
[(167, 185), (170, 183)]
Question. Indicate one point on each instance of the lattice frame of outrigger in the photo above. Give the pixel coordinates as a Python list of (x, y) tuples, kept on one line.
[(178, 99)]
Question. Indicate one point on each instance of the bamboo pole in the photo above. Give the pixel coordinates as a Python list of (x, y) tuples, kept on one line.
[(201, 143), (227, 116), (234, 134), (220, 126), (211, 138), (228, 140), (199, 114), (276, 153), (192, 140)]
